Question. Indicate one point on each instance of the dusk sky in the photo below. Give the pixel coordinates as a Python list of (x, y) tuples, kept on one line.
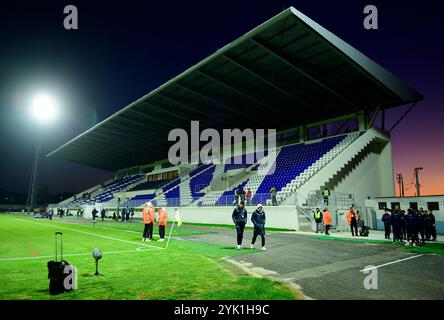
[(123, 50)]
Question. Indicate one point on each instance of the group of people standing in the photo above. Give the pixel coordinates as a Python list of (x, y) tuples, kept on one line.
[(149, 218), (126, 214), (324, 220), (416, 227), (257, 218)]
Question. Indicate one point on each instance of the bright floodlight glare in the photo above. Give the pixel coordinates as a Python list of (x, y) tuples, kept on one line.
[(44, 108)]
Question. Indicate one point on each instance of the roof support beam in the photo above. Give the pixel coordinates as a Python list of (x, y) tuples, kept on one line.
[(187, 106), (205, 95), (160, 109), (100, 141), (271, 84), (130, 138), (233, 88), (299, 67), (110, 162), (103, 157), (143, 131), (108, 148), (140, 141), (89, 149)]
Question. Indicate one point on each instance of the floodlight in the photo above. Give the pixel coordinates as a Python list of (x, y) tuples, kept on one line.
[(44, 108)]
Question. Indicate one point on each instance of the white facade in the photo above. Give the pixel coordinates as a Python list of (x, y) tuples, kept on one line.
[(277, 217)]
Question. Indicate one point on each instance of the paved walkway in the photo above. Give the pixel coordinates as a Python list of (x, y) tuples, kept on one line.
[(326, 269)]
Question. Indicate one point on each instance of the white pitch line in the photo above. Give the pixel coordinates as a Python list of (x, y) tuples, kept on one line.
[(77, 254), (392, 262), (91, 234), (100, 227)]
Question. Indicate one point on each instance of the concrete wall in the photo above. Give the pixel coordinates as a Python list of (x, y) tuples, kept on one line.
[(277, 217), (372, 177)]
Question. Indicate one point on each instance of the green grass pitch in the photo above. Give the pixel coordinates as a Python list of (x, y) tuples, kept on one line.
[(131, 269)]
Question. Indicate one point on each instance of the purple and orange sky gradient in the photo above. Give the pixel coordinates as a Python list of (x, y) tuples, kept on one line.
[(121, 53)]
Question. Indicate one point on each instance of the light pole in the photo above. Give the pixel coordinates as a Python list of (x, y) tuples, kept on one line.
[(33, 183), (43, 110), (400, 180)]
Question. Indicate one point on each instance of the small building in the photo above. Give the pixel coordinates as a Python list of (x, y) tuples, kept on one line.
[(375, 208)]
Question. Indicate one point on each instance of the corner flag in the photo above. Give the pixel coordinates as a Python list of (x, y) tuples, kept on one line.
[(177, 218), (179, 223)]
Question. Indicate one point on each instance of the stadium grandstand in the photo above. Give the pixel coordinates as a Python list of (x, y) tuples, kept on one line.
[(289, 74)]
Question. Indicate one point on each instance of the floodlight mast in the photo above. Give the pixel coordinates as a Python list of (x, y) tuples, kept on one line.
[(31, 201), (44, 110)]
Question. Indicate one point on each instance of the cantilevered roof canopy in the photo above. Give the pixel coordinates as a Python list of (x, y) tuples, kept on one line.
[(286, 72)]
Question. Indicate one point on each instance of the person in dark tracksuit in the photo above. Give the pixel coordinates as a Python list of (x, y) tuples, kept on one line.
[(103, 214), (240, 220), (128, 211), (387, 225), (402, 224), (258, 219), (318, 219), (431, 221), (410, 223), (94, 212), (427, 225), (420, 225), (395, 222)]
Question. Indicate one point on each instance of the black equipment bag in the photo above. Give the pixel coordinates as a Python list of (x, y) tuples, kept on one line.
[(56, 270), (364, 231)]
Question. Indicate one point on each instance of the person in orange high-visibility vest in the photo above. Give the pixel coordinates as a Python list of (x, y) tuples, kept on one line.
[(148, 216), (327, 220), (352, 218), (162, 219)]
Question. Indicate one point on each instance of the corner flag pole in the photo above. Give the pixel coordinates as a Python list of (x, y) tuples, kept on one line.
[(171, 231)]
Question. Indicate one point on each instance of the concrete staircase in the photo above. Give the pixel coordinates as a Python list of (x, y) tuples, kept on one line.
[(312, 170), (338, 168)]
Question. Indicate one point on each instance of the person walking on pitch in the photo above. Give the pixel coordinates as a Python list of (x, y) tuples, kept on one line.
[(258, 219), (240, 220)]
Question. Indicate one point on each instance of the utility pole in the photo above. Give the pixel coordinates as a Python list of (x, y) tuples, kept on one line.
[(402, 185), (418, 186), (400, 181)]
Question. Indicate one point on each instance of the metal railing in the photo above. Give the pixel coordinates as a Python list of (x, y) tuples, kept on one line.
[(337, 200), (231, 200), (224, 200)]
